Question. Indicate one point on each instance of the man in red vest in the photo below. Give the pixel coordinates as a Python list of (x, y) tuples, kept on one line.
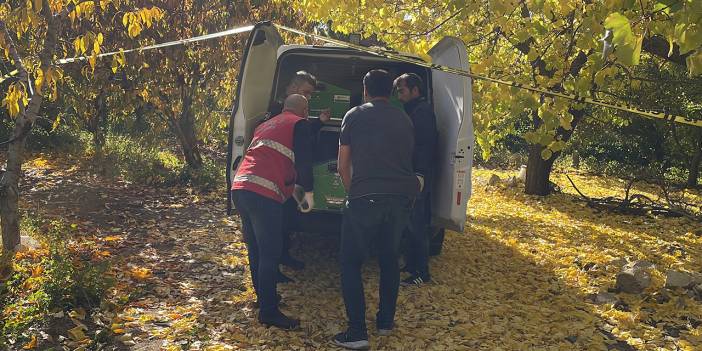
[(279, 157)]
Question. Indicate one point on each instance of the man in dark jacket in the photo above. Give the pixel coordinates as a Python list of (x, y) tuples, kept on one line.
[(375, 165), (410, 90), (302, 83)]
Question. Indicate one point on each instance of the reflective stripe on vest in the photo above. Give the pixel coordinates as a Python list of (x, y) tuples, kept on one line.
[(275, 146), (260, 181)]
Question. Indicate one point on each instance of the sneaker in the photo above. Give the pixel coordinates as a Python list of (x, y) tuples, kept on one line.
[(384, 332), (414, 280), (283, 279), (348, 341), (279, 320), (292, 263)]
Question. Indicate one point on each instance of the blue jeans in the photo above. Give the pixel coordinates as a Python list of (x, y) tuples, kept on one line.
[(380, 219), (418, 236), (262, 225)]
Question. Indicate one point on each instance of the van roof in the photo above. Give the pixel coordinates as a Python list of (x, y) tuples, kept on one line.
[(282, 49)]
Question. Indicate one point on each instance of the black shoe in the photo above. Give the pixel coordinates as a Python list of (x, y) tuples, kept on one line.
[(283, 279), (292, 263), (279, 320), (347, 340), (415, 280)]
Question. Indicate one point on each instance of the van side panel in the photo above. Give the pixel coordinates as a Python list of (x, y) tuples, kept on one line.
[(253, 93), (453, 107)]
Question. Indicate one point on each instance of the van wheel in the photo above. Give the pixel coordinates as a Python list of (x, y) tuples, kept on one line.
[(436, 243)]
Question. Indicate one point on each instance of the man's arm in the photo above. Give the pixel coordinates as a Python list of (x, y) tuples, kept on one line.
[(343, 162), (304, 151), (343, 165), (425, 141)]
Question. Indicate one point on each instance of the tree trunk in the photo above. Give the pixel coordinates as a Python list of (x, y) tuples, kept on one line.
[(538, 169), (191, 150), (694, 170), (9, 183), (576, 159), (97, 124), (538, 172), (184, 127)]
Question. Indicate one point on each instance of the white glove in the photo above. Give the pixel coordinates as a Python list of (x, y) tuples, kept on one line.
[(298, 194), (307, 203), (421, 183)]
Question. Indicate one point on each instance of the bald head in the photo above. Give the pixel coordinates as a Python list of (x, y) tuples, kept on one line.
[(296, 104)]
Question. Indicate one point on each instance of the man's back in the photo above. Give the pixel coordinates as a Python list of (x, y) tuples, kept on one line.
[(381, 138)]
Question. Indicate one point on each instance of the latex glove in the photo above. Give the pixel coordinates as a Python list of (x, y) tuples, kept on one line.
[(307, 203), (325, 115), (421, 183)]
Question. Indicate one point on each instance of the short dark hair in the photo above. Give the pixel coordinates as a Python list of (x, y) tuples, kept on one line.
[(303, 77), (411, 80), (378, 83)]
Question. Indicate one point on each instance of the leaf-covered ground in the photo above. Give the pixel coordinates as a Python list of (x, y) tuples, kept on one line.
[(517, 278)]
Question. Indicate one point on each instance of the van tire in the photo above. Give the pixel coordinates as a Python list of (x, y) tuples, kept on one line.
[(436, 243)]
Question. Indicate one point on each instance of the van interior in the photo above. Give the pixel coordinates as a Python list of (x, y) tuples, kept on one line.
[(343, 71)]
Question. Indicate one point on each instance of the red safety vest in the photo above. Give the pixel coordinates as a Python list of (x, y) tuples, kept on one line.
[(268, 167)]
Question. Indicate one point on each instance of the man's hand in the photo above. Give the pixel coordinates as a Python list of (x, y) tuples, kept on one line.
[(420, 179), (325, 115), (308, 202)]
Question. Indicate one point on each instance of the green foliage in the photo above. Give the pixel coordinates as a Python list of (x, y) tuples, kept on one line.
[(42, 138), (208, 177), (138, 162), (628, 46), (53, 278)]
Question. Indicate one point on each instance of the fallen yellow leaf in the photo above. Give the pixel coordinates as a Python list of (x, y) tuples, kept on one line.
[(77, 334), (31, 344)]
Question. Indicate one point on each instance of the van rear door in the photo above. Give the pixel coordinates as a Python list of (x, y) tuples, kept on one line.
[(453, 99), (253, 93)]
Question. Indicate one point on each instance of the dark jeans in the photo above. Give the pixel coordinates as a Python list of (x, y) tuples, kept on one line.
[(379, 219), (418, 236), (262, 225), (289, 222)]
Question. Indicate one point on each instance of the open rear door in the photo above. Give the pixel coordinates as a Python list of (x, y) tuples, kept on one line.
[(255, 83), (453, 99)]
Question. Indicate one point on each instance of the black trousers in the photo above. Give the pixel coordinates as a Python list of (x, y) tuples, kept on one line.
[(262, 225), (289, 222), (378, 219), (418, 235)]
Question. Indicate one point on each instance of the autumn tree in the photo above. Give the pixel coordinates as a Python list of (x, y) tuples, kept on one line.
[(191, 87), (34, 36), (576, 47)]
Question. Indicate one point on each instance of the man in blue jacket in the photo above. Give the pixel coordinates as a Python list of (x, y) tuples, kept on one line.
[(410, 91)]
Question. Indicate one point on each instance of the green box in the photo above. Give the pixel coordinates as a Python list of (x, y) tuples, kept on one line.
[(330, 96), (329, 193)]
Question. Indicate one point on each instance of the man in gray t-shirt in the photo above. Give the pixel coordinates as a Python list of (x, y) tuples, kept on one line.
[(375, 165)]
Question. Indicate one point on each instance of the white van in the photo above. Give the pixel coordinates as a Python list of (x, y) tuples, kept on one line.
[(268, 64)]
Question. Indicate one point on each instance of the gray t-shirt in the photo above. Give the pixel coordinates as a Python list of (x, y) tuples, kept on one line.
[(381, 137)]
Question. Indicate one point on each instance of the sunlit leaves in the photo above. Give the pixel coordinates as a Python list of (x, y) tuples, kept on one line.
[(51, 79), (15, 99), (627, 45), (136, 21), (118, 60)]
